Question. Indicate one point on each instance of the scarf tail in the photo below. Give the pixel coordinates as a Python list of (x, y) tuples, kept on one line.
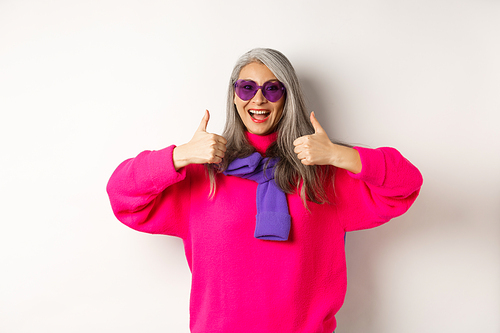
[(273, 221)]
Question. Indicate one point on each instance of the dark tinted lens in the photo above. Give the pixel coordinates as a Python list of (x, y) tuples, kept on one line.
[(273, 90), (245, 89)]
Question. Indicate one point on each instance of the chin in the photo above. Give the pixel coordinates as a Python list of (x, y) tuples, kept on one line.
[(260, 131)]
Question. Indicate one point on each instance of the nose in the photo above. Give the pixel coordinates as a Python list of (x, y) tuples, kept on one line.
[(259, 97)]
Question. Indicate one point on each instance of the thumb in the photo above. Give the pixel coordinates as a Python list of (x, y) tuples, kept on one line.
[(316, 125), (204, 122)]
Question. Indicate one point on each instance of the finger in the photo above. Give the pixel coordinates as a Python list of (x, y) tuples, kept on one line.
[(301, 157), (216, 160), (220, 147), (316, 125), (306, 162), (221, 139), (304, 158), (299, 141), (204, 122), (216, 157), (219, 154), (216, 141), (298, 149)]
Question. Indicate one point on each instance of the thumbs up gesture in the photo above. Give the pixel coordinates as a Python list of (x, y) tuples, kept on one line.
[(203, 148), (317, 149)]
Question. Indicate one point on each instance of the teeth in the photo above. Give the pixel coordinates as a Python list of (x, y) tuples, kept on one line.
[(258, 112)]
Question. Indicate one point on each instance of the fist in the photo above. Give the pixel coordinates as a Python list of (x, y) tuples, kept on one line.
[(203, 148), (314, 149)]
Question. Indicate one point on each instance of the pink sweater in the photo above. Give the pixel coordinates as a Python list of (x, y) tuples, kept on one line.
[(243, 284)]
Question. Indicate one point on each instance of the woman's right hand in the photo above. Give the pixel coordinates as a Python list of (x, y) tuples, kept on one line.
[(203, 148)]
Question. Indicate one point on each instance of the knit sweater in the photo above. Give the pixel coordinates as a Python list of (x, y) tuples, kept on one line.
[(244, 284)]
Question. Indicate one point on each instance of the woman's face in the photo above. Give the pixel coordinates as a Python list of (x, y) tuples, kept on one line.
[(259, 115)]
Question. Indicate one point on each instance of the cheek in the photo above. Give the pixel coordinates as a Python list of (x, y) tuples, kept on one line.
[(280, 108), (240, 105)]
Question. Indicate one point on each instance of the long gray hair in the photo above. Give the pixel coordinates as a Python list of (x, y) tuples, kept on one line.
[(294, 123)]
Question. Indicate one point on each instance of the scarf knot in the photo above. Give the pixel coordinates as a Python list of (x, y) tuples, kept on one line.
[(273, 219)]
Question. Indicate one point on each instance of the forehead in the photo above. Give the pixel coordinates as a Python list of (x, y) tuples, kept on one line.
[(256, 72)]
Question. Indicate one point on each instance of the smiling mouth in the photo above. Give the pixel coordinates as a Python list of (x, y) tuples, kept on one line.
[(259, 115)]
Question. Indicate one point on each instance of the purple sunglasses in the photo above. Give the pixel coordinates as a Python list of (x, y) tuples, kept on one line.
[(272, 90)]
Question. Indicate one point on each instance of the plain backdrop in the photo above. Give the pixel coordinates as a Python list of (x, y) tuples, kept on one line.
[(85, 85)]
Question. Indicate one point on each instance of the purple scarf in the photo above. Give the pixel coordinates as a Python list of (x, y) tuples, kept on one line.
[(272, 219)]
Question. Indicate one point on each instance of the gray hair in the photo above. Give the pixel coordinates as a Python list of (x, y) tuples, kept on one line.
[(294, 123)]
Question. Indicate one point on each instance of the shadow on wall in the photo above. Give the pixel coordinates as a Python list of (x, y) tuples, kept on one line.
[(360, 307), (377, 260), (316, 102), (364, 249), (325, 111)]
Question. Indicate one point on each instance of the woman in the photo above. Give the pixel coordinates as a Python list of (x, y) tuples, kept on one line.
[(266, 255)]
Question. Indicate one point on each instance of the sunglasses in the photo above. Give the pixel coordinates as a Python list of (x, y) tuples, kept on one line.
[(272, 90)]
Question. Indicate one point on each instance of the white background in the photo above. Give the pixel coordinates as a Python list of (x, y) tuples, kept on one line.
[(86, 84)]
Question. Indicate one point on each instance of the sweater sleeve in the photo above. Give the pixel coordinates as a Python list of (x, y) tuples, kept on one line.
[(386, 187), (149, 195)]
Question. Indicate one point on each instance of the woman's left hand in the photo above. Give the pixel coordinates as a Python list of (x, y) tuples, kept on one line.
[(317, 149)]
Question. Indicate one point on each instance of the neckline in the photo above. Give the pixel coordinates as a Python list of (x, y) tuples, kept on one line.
[(261, 142)]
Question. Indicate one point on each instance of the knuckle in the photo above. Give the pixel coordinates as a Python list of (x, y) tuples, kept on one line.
[(215, 160)]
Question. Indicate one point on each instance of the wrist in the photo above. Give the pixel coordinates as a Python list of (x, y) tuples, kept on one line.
[(347, 158), (178, 158)]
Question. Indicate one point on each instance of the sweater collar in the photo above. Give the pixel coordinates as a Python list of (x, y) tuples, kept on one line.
[(261, 142)]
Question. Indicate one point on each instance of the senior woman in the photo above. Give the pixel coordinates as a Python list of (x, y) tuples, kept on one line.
[(263, 209)]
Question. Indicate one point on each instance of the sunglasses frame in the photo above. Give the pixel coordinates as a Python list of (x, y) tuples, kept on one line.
[(282, 90)]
